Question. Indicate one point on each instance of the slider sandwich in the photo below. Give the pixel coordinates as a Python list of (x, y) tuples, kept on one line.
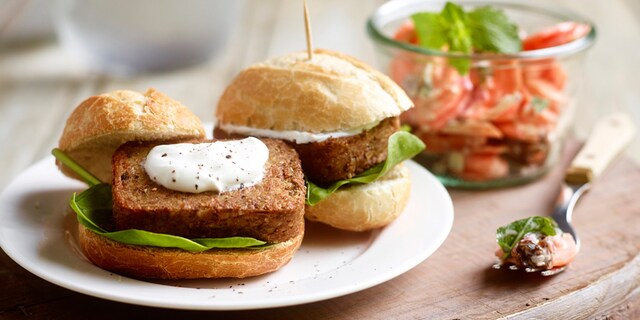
[(341, 116), (168, 204)]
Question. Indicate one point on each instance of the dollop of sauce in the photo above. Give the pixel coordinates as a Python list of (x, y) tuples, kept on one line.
[(298, 137), (218, 166)]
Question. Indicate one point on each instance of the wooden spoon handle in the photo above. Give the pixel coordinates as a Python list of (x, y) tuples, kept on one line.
[(609, 137)]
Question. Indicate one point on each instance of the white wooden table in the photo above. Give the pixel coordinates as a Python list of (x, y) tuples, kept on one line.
[(41, 83)]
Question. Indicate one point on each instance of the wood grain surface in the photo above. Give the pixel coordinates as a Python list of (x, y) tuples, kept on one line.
[(454, 283)]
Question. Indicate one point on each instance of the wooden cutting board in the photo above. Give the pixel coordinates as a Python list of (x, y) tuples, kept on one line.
[(454, 283)]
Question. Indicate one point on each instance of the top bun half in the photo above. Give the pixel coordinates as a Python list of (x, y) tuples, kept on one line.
[(330, 93), (100, 124)]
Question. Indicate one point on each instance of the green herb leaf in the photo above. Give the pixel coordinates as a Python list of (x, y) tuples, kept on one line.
[(508, 236), (493, 32), (431, 29), (400, 147), (484, 29), (83, 173), (459, 35), (445, 29), (539, 104), (93, 209)]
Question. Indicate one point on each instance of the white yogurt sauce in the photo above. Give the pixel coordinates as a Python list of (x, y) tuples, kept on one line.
[(219, 166), (298, 137)]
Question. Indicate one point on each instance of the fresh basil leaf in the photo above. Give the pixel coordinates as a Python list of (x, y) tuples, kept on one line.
[(447, 29), (431, 29), (492, 31), (93, 208), (401, 146), (459, 35), (509, 235), (462, 65), (484, 29)]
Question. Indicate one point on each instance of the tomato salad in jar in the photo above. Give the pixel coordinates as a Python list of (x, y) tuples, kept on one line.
[(490, 104)]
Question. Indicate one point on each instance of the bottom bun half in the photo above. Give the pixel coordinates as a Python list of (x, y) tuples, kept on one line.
[(365, 207), (165, 263)]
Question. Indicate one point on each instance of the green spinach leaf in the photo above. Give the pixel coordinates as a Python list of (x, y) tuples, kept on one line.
[(401, 146), (93, 208)]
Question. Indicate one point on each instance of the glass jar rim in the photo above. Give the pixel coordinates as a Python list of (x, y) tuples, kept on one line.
[(569, 48)]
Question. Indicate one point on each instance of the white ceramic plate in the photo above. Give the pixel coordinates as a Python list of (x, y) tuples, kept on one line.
[(37, 232)]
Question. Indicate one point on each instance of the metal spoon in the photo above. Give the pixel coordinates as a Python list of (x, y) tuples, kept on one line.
[(609, 137)]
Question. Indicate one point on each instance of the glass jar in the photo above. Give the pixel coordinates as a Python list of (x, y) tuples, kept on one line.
[(504, 121)]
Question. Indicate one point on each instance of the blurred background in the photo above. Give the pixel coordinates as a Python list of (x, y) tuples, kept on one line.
[(54, 54)]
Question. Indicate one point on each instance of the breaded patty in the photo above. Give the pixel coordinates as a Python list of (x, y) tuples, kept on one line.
[(341, 158), (272, 210)]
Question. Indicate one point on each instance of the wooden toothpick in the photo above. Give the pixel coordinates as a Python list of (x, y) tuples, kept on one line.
[(307, 26)]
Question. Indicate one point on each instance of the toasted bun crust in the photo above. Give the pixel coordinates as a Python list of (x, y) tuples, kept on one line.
[(332, 92), (365, 207), (100, 124), (163, 263)]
